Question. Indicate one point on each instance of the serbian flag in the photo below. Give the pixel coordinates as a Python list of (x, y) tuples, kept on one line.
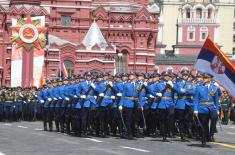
[(212, 60), (62, 68)]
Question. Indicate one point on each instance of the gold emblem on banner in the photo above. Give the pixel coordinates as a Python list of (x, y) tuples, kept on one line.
[(29, 34)]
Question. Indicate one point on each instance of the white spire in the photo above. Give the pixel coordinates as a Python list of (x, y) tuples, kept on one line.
[(94, 36)]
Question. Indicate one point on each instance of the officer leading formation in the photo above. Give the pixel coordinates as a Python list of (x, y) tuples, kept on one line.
[(131, 105)]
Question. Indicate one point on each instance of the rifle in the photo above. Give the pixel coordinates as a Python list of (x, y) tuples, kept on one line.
[(100, 98), (151, 100), (82, 100)]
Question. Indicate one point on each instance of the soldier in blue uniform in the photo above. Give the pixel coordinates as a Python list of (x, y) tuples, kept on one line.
[(206, 107), (77, 107), (184, 103), (140, 104), (68, 92), (153, 101), (166, 103), (86, 93), (43, 99), (127, 103), (105, 99), (114, 112)]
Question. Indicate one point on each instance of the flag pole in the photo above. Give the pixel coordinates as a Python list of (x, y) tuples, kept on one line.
[(60, 65)]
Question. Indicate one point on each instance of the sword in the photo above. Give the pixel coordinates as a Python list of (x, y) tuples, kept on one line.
[(123, 120), (143, 118), (220, 124), (202, 128)]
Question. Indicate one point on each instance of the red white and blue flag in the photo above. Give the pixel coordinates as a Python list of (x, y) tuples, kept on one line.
[(212, 60)]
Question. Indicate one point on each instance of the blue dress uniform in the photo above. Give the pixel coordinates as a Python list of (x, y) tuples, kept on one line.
[(128, 100), (77, 112), (153, 103), (42, 98), (68, 92), (206, 104), (104, 102), (58, 101), (50, 100), (184, 106), (166, 105), (88, 100), (115, 115), (140, 106), (61, 106)]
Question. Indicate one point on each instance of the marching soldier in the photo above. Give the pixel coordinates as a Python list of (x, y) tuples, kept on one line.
[(43, 99), (184, 103), (104, 101), (166, 104), (86, 93), (206, 104), (127, 103)]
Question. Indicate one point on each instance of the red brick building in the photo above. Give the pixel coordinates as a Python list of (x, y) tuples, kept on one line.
[(122, 35)]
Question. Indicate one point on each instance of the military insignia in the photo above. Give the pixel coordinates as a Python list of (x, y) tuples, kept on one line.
[(168, 90), (29, 34), (217, 65)]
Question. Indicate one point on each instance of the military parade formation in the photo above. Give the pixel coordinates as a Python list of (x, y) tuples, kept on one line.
[(129, 105), (19, 104)]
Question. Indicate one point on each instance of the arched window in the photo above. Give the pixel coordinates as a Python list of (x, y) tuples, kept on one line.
[(188, 13), (120, 61), (198, 13), (69, 67), (203, 33), (191, 33), (209, 13)]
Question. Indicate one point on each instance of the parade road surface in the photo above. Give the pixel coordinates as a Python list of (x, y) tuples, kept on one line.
[(28, 138)]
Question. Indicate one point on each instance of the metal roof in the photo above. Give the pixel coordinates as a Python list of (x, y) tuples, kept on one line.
[(94, 36)]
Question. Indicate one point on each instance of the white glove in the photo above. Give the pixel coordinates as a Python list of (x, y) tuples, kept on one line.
[(110, 83), (36, 95), (41, 101), (196, 113), (95, 97), (142, 108), (182, 90), (75, 96), (218, 112), (120, 108), (49, 99), (66, 98), (151, 96), (159, 94), (119, 94), (216, 84), (14, 106), (170, 83), (55, 98), (93, 85), (101, 94), (113, 97), (145, 83), (83, 96), (28, 100)]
